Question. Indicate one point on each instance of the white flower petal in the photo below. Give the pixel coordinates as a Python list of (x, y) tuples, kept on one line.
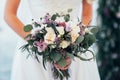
[(60, 30)]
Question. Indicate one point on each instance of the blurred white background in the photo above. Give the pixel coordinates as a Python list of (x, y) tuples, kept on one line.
[(8, 41)]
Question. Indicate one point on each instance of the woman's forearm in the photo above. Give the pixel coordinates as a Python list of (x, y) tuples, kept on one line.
[(15, 24), (11, 18), (86, 12)]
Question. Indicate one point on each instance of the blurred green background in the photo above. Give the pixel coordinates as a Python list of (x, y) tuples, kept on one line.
[(109, 39)]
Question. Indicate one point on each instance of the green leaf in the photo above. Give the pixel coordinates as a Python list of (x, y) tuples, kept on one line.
[(79, 39), (44, 61), (56, 56), (92, 39), (70, 55), (54, 17), (30, 42), (89, 39), (62, 62), (94, 30), (24, 47), (69, 10), (57, 14), (34, 48), (28, 28), (67, 17)]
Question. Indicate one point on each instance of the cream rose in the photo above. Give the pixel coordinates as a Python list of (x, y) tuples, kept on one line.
[(50, 36), (64, 44), (87, 30), (75, 33), (74, 36), (75, 29), (60, 30)]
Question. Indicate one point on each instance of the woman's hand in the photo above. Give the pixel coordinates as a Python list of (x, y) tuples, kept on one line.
[(11, 18), (87, 12)]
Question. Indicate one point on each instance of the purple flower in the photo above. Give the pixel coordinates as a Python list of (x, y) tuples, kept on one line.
[(82, 32), (68, 28), (41, 45), (57, 40), (82, 28), (47, 18), (54, 23)]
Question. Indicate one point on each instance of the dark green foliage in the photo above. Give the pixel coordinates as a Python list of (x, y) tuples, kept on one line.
[(88, 41), (79, 39), (94, 30), (67, 17), (28, 28)]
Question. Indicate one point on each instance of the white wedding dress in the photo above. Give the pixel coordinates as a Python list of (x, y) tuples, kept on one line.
[(30, 69)]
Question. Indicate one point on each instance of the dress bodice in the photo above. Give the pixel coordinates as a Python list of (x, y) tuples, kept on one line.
[(40, 7)]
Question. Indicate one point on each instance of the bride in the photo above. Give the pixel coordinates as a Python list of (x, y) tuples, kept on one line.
[(30, 69)]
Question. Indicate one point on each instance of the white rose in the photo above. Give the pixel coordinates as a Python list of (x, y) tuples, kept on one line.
[(50, 36), (64, 44), (75, 33), (75, 29), (74, 26), (87, 30), (74, 36), (60, 30)]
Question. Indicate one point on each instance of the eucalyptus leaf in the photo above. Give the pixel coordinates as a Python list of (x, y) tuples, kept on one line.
[(54, 17), (28, 28), (62, 62), (70, 55), (67, 17), (89, 39), (69, 10), (79, 39), (56, 56), (94, 30)]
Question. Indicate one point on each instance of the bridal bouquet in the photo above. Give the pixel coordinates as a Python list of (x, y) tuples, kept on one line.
[(59, 40)]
